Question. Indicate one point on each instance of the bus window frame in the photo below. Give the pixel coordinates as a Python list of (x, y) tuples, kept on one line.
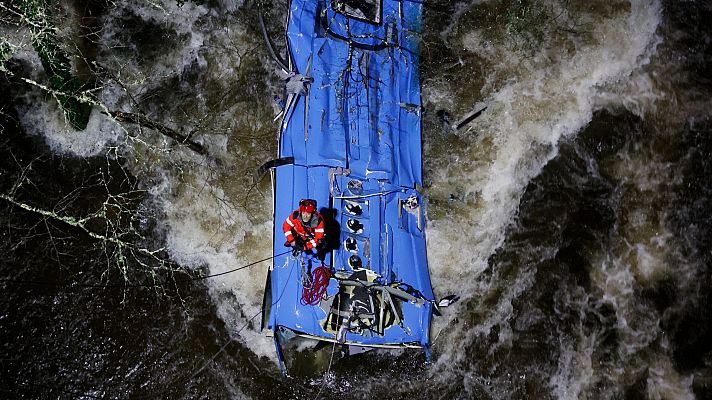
[(379, 16)]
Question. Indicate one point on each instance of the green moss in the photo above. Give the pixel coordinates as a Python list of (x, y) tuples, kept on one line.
[(5, 52), (56, 63)]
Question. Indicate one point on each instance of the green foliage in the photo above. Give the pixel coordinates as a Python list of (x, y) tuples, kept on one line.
[(66, 87)]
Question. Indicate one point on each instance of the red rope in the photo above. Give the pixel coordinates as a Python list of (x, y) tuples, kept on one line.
[(312, 294)]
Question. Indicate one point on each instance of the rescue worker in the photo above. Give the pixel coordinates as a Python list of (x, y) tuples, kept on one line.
[(304, 229)]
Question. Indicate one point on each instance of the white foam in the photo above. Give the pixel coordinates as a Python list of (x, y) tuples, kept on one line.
[(42, 117), (459, 9), (203, 229), (575, 370), (664, 382), (183, 23)]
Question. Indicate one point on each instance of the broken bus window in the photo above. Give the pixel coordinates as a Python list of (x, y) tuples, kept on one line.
[(365, 10)]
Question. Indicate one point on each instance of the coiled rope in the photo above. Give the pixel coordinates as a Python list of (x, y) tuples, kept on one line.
[(314, 289)]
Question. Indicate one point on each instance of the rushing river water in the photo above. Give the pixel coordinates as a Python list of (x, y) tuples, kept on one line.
[(573, 217)]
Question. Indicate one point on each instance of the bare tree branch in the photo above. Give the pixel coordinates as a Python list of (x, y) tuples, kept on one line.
[(144, 121), (113, 238)]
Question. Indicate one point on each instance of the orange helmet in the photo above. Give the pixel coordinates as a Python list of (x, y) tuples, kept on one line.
[(307, 205)]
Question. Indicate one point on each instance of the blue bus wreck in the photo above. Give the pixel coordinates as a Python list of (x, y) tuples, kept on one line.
[(350, 138)]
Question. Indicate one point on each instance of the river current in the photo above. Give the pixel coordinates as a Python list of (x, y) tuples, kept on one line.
[(573, 217)]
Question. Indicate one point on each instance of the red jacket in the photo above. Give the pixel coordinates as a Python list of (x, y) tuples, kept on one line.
[(311, 232)]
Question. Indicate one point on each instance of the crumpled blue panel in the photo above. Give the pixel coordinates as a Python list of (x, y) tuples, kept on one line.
[(363, 108)]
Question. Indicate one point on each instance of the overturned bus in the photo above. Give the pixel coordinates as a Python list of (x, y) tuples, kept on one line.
[(350, 138)]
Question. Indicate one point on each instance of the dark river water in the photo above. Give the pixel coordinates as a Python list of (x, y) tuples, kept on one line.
[(573, 217)]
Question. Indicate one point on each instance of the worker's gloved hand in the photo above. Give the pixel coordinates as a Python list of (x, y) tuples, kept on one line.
[(296, 248), (288, 243)]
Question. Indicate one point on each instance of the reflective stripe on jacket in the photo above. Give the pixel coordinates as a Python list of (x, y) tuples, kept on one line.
[(311, 232)]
